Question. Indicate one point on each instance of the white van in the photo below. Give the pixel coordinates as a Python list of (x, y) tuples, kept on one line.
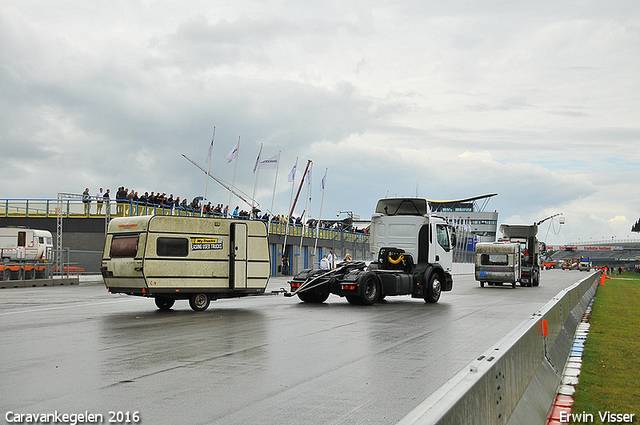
[(194, 258)]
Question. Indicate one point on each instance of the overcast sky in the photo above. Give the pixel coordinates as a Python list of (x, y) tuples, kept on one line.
[(537, 101)]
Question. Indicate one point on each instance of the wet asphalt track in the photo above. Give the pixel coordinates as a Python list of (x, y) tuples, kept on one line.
[(258, 360)]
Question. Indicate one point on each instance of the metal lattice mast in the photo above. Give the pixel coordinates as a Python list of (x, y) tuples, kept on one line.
[(58, 257), (59, 214)]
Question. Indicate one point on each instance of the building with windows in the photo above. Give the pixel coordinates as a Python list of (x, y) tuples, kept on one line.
[(469, 217)]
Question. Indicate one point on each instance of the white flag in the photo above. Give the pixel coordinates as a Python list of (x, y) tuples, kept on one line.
[(211, 146), (232, 153), (307, 177), (270, 162), (323, 181), (255, 166), (292, 174)]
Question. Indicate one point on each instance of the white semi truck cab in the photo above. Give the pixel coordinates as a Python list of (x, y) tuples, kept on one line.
[(414, 255)]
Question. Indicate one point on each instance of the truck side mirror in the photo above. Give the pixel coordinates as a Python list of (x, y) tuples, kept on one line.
[(453, 240)]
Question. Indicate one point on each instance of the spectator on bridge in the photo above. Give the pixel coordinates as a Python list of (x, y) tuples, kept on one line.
[(121, 198), (100, 196), (86, 200), (107, 198)]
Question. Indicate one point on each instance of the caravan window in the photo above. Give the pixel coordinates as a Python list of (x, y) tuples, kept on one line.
[(124, 246), (494, 260), (172, 247)]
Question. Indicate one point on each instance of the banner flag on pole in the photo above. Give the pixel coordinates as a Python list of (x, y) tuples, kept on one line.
[(292, 174), (255, 166), (270, 162), (307, 177), (211, 147), (323, 181), (232, 153)]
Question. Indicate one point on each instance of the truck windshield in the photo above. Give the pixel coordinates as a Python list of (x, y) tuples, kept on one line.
[(124, 246), (402, 206), (443, 237)]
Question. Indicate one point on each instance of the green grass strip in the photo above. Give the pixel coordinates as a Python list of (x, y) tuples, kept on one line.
[(610, 377)]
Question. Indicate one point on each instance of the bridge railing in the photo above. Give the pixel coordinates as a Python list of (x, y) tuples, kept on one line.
[(76, 208)]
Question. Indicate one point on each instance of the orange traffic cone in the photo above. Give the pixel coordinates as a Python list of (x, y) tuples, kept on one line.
[(604, 276)]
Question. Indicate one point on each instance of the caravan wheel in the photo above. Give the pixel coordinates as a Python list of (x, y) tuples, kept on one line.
[(199, 302), (164, 303)]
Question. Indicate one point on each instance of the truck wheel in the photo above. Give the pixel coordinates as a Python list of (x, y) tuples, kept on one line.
[(434, 289), (312, 297), (535, 278), (199, 302), (305, 296), (370, 289), (164, 303), (320, 298), (353, 299), (482, 284)]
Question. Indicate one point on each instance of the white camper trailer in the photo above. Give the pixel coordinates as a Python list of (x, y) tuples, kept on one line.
[(199, 259), (498, 263), (24, 252), (22, 243)]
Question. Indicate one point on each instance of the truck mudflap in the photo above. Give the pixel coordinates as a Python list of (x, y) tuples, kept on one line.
[(447, 285)]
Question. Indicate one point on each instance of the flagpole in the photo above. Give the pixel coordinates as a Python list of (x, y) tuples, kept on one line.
[(235, 166), (275, 181), (239, 193), (206, 178), (306, 203), (256, 170), (299, 188), (286, 229), (324, 180)]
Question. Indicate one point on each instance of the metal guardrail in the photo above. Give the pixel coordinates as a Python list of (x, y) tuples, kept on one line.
[(515, 382), (75, 208)]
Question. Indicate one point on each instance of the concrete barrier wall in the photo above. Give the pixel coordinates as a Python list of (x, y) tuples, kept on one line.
[(75, 280), (516, 381)]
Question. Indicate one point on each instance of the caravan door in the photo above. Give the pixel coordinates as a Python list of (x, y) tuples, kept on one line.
[(238, 256)]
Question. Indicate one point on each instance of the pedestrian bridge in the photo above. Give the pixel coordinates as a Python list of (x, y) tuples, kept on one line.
[(76, 208)]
